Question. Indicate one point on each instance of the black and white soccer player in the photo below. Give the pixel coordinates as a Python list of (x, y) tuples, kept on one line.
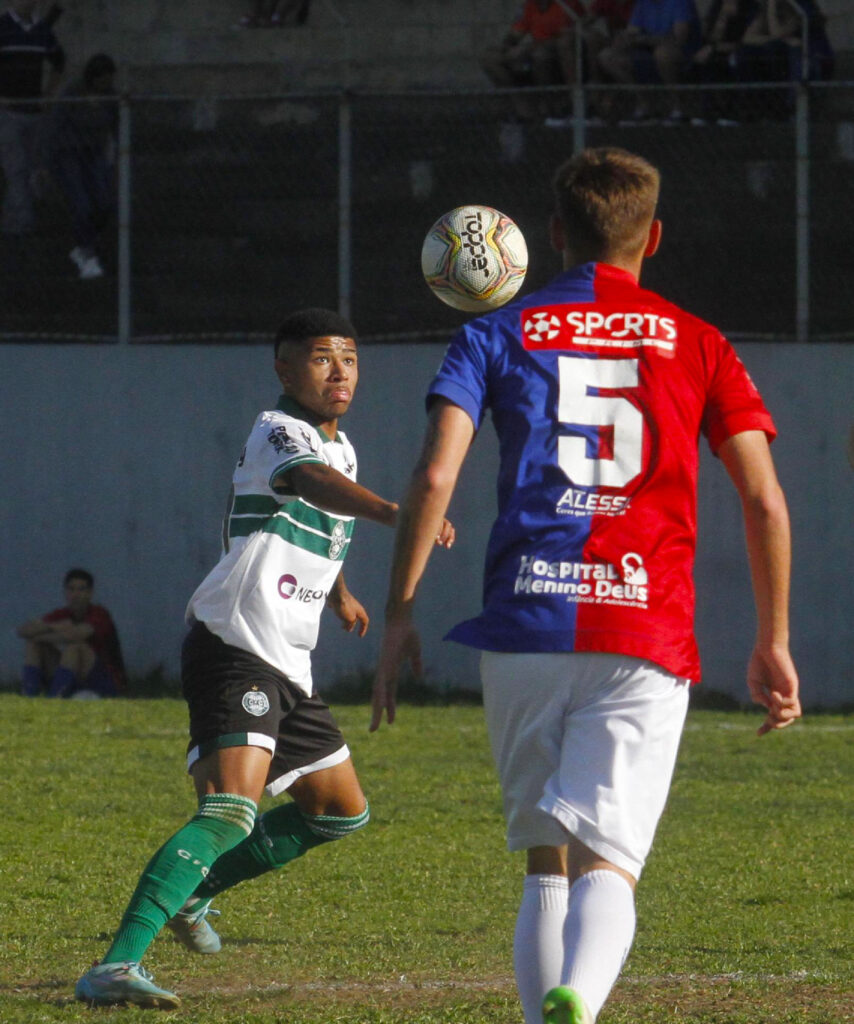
[(256, 719)]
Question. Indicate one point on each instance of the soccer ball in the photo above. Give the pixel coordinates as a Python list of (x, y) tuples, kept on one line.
[(474, 258)]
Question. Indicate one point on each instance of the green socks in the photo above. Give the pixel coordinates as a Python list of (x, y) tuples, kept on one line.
[(280, 836), (221, 822)]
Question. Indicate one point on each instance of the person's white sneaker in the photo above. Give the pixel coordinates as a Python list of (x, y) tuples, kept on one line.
[(91, 268), (194, 931), (121, 983)]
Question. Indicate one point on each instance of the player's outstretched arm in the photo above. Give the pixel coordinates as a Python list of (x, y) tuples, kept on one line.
[(420, 524), (330, 490), (772, 678)]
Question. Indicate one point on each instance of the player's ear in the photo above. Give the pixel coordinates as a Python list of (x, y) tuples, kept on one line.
[(282, 372), (557, 236), (653, 239)]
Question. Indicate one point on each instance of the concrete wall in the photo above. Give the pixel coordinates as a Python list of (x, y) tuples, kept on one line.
[(119, 460), (178, 45)]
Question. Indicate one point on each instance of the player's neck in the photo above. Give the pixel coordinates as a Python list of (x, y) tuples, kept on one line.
[(630, 265), (328, 427)]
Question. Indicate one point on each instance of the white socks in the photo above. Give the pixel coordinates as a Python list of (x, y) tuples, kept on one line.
[(578, 937), (598, 935), (538, 941)]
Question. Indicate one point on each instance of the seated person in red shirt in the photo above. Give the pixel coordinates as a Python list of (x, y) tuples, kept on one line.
[(604, 21), (74, 649), (539, 47)]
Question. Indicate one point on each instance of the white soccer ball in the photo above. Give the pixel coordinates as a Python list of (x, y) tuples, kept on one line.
[(474, 258)]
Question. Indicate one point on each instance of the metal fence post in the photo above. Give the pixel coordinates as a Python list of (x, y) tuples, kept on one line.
[(345, 184), (578, 112), (802, 212), (124, 218), (802, 183)]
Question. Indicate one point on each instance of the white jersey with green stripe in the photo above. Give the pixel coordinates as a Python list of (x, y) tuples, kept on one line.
[(281, 554)]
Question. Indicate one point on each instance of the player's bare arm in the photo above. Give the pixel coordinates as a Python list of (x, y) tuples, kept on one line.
[(347, 608), (446, 443), (330, 490), (772, 678)]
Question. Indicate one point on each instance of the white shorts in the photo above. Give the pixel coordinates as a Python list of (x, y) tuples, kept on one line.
[(584, 744)]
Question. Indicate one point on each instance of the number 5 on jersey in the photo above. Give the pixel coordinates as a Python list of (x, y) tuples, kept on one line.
[(578, 407)]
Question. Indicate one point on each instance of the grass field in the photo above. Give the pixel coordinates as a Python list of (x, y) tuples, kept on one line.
[(746, 910)]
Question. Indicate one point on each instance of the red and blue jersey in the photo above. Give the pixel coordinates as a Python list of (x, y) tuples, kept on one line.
[(599, 391)]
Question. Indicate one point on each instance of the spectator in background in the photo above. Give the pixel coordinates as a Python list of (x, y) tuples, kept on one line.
[(724, 26), (657, 47), (74, 651), (273, 13), (539, 47), (81, 147), (26, 45), (773, 49), (603, 22)]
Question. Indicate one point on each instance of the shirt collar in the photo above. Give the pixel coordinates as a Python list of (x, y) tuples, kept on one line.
[(292, 408)]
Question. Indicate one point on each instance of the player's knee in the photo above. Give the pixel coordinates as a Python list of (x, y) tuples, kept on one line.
[(328, 826), (228, 809)]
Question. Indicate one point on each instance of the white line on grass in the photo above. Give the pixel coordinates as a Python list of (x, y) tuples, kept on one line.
[(403, 983)]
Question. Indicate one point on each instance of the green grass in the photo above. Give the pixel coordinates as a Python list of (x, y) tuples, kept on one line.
[(745, 909)]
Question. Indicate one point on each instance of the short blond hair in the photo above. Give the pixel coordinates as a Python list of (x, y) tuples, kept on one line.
[(606, 199)]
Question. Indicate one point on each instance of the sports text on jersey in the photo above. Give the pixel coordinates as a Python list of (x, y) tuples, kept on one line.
[(602, 328)]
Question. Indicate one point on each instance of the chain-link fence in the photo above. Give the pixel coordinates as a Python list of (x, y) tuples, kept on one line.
[(231, 211)]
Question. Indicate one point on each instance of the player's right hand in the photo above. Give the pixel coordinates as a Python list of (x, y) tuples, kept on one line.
[(400, 643), (447, 535)]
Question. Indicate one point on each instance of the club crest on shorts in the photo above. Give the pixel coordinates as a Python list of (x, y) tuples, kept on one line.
[(255, 702), (339, 538)]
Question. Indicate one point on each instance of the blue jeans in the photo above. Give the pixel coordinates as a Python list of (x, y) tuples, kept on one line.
[(87, 180), (18, 137)]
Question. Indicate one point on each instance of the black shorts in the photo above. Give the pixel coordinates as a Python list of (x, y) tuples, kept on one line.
[(237, 699)]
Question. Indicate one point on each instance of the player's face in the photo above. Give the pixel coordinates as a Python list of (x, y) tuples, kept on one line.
[(78, 595), (320, 374)]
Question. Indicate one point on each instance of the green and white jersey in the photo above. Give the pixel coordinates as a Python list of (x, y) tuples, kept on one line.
[(281, 555)]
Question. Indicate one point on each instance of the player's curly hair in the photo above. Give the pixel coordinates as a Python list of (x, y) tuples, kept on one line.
[(605, 199), (312, 323)]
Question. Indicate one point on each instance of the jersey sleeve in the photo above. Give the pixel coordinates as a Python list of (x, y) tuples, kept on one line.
[(285, 444), (462, 377), (733, 403)]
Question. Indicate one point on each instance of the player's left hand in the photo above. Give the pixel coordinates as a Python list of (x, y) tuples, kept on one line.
[(447, 534), (350, 611), (400, 643)]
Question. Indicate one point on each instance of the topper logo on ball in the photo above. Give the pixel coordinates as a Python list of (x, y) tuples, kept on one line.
[(473, 241)]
